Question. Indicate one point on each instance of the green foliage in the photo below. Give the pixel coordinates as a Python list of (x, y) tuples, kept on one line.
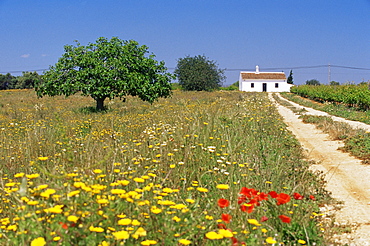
[(357, 96), (230, 88), (290, 78), (176, 86), (7, 81), (333, 83), (198, 73), (27, 80), (107, 69), (312, 82)]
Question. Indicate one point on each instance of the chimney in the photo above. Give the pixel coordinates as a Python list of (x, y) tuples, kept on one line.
[(257, 69)]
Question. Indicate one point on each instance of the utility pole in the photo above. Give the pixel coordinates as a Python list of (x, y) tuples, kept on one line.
[(329, 75)]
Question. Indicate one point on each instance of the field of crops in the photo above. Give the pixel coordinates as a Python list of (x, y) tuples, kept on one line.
[(199, 168), (352, 95)]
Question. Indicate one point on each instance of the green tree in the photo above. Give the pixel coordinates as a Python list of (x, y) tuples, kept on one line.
[(290, 78), (334, 83), (7, 81), (312, 82), (198, 73), (107, 69), (27, 80)]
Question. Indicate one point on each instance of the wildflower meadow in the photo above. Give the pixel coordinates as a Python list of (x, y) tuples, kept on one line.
[(199, 168)]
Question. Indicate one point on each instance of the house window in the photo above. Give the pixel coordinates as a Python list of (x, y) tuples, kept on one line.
[(252, 85), (276, 85)]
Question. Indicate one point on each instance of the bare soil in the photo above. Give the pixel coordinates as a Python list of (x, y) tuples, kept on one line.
[(347, 179)]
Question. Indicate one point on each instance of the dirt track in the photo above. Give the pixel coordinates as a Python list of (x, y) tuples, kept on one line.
[(347, 179)]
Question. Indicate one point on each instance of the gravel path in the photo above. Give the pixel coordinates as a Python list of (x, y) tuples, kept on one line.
[(347, 179)]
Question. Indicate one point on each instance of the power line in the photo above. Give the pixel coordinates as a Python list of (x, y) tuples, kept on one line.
[(300, 67), (239, 69)]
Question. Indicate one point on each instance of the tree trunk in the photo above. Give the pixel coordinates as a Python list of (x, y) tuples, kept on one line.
[(100, 103)]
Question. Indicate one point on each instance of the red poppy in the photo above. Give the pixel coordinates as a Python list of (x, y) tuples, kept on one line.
[(264, 218), (262, 196), (246, 208), (254, 202), (64, 225), (273, 194), (284, 218), (282, 198), (297, 196), (235, 241), (248, 192), (241, 199), (312, 198), (226, 218), (223, 203)]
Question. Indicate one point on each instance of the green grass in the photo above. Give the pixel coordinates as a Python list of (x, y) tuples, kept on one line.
[(146, 174)]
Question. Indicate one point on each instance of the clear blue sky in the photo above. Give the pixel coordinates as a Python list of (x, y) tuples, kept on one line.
[(237, 34)]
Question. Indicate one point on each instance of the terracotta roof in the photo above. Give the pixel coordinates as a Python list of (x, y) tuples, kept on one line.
[(253, 75)]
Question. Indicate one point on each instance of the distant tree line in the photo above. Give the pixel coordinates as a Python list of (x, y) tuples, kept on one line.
[(26, 81)]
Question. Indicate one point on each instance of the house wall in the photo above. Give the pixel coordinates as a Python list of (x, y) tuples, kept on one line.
[(246, 85)]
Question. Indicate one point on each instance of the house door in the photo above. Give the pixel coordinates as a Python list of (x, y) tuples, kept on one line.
[(264, 87)]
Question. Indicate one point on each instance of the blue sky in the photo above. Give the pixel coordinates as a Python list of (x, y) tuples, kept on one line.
[(236, 34)]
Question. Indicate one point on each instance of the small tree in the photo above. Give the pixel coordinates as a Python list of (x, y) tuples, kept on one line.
[(290, 78), (28, 80), (198, 74), (333, 83), (107, 69), (312, 82), (7, 81)]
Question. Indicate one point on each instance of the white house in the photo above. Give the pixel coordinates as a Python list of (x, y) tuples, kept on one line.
[(263, 81)]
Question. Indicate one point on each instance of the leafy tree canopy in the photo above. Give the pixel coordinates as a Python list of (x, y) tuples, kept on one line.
[(7, 81), (107, 69), (312, 82), (290, 78), (334, 83), (27, 80), (198, 73)]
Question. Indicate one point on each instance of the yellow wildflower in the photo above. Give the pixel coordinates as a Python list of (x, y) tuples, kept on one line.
[(222, 186), (184, 241), (97, 171), (148, 242), (200, 189), (72, 218), (96, 229), (140, 232), (225, 233), (56, 238), (190, 200), (270, 240), (40, 241), (33, 176), (124, 222), (139, 180), (18, 175), (119, 235), (213, 235), (155, 210), (253, 222), (73, 193), (31, 203)]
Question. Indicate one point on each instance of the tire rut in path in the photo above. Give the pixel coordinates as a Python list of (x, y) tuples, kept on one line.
[(347, 179)]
